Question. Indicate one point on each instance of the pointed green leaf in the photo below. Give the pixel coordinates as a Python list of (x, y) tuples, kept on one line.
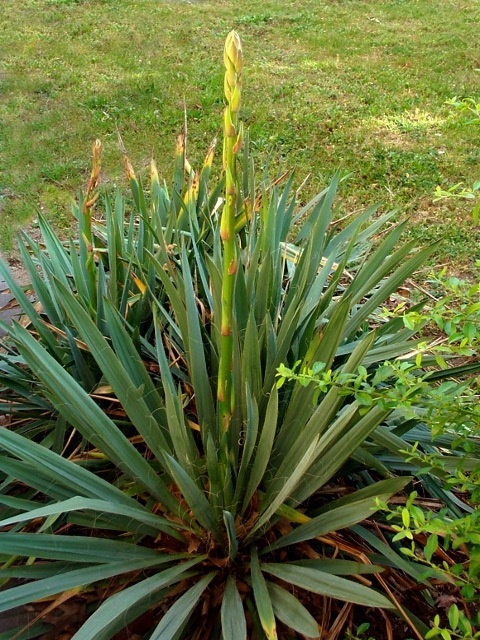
[(36, 571), (28, 309), (354, 228), (273, 499), (123, 607), (231, 534), (340, 567), (251, 360), (32, 633), (26, 593), (413, 569), (329, 458), (389, 487), (262, 455), (340, 518), (131, 360), (90, 420), (180, 433), (262, 598), (327, 584), (82, 549), (59, 471), (292, 612), (39, 282), (389, 285), (178, 614), (170, 282), (135, 512), (195, 354), (130, 394), (376, 266), (234, 625), (195, 498), (250, 428)]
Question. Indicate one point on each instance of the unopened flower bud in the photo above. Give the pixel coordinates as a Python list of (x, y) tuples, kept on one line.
[(129, 172), (239, 140), (230, 130), (235, 99), (230, 78), (226, 89), (97, 151), (224, 155), (95, 174), (233, 51), (230, 184)]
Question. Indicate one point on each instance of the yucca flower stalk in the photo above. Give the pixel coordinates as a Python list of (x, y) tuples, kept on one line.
[(174, 514), (91, 196), (233, 134), (85, 214)]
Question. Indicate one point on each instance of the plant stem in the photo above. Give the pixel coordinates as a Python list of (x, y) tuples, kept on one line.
[(233, 134), (87, 202)]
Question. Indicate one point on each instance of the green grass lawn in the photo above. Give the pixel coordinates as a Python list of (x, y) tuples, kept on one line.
[(360, 84)]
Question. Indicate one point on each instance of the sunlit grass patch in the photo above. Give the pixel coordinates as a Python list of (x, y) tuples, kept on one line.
[(361, 85), (415, 120)]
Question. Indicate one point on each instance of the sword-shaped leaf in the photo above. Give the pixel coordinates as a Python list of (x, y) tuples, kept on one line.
[(273, 498), (84, 414), (195, 354), (123, 607), (25, 593), (195, 498), (326, 584), (264, 448), (234, 625), (81, 549), (390, 284), (179, 613), (125, 388), (262, 597), (329, 459), (135, 512), (345, 515), (61, 473), (292, 612), (130, 359), (34, 631)]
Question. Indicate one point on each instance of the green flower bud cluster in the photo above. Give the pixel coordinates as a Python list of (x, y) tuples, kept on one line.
[(233, 60)]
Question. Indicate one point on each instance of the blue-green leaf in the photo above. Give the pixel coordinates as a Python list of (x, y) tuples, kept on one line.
[(179, 613), (25, 593), (135, 512), (195, 498), (123, 607), (262, 598), (234, 625), (327, 584), (292, 612)]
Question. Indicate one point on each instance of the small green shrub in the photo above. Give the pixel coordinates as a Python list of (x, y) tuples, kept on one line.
[(450, 451), (472, 108), (460, 626), (152, 464)]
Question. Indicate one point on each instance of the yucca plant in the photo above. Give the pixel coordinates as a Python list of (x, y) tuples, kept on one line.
[(180, 493)]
